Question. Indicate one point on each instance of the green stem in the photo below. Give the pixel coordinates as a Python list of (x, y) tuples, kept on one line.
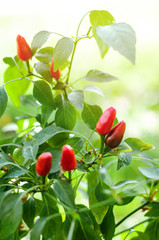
[(70, 176), (28, 66), (102, 138), (131, 213), (80, 23), (43, 180), (73, 53)]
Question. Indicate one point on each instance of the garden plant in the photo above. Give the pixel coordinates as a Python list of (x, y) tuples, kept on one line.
[(56, 177)]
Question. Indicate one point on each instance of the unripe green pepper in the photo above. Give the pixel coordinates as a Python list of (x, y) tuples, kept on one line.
[(115, 135), (105, 122)]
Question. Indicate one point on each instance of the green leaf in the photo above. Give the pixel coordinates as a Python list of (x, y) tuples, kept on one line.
[(76, 98), (10, 214), (100, 211), (137, 145), (43, 93), (45, 54), (30, 149), (29, 212), (76, 143), (38, 228), (150, 172), (123, 147), (66, 116), (107, 227), (91, 115), (141, 236), (38, 40), (152, 229), (53, 226), (3, 100), (154, 211), (28, 100), (121, 37), (44, 70), (15, 71), (64, 192), (62, 52), (45, 114), (102, 18), (124, 159), (95, 89), (98, 76), (14, 172)]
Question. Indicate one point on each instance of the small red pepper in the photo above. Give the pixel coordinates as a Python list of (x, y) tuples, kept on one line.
[(106, 121), (24, 52), (56, 74), (115, 135), (44, 164), (68, 160)]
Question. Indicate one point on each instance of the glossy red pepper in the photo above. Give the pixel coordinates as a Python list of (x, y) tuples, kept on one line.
[(24, 52), (68, 160), (106, 121), (56, 74), (115, 135), (44, 164)]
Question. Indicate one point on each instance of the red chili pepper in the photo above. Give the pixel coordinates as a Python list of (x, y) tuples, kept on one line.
[(106, 121), (44, 163), (68, 160), (24, 52), (56, 74), (115, 135)]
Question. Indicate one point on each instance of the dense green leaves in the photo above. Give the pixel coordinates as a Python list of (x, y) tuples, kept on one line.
[(64, 192), (3, 100), (62, 52), (108, 225), (121, 37), (98, 211), (42, 92), (45, 54), (30, 149), (76, 98), (44, 70), (98, 76), (16, 70), (29, 212), (91, 115), (138, 145), (66, 116), (10, 214), (38, 40), (152, 229), (101, 18), (124, 159), (150, 172)]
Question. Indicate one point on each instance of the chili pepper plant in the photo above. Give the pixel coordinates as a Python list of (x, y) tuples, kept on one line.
[(57, 169)]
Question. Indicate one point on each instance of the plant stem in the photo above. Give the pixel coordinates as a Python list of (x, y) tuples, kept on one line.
[(28, 66), (69, 176), (43, 180), (102, 137), (73, 53), (131, 213)]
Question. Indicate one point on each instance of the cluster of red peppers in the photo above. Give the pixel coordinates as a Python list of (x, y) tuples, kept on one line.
[(68, 161), (24, 53), (114, 135)]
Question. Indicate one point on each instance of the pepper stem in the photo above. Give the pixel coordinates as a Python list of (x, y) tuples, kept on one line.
[(43, 180), (69, 176), (102, 138)]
